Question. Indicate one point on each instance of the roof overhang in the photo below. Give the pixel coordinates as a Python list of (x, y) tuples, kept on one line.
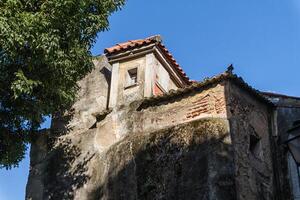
[(138, 48)]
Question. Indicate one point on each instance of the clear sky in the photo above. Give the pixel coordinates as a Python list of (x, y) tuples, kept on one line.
[(260, 37)]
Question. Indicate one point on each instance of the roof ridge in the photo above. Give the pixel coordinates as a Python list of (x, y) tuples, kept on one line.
[(276, 94), (227, 75), (155, 39)]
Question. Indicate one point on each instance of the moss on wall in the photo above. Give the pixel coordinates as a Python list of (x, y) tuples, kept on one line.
[(189, 161)]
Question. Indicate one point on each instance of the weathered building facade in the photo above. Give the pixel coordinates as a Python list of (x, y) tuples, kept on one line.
[(141, 129)]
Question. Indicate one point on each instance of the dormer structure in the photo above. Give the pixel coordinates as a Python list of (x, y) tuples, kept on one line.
[(142, 68)]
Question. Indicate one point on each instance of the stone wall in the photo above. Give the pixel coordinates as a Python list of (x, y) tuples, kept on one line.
[(251, 138), (288, 111), (170, 147), (73, 160)]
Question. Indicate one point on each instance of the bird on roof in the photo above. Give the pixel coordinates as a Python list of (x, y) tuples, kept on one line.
[(230, 69)]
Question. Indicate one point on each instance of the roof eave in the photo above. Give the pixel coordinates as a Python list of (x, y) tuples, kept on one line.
[(204, 84), (146, 49)]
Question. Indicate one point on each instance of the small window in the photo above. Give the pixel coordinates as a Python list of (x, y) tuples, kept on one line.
[(254, 146), (131, 78)]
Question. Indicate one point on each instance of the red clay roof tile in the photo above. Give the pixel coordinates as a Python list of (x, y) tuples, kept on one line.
[(131, 44)]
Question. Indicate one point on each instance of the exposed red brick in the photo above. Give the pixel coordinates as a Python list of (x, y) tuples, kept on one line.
[(157, 91)]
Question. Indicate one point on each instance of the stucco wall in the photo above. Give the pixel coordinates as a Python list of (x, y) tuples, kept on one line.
[(127, 95), (162, 76)]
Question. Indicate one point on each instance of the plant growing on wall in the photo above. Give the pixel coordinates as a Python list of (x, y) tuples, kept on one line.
[(44, 50)]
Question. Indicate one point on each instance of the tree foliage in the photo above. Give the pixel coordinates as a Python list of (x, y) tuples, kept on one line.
[(44, 50)]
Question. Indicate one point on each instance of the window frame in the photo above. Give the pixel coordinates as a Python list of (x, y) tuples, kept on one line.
[(131, 78)]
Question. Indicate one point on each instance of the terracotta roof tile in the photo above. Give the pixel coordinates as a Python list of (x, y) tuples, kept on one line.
[(131, 44)]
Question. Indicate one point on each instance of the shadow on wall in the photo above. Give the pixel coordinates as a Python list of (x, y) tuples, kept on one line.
[(190, 161), (63, 177)]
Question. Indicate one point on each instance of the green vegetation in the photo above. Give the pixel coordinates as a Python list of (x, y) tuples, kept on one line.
[(44, 50)]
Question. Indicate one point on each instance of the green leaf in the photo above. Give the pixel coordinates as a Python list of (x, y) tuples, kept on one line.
[(44, 52)]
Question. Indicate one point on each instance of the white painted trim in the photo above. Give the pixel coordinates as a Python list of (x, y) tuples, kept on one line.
[(169, 68), (130, 54), (149, 75), (113, 96)]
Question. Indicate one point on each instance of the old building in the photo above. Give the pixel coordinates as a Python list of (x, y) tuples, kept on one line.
[(141, 129)]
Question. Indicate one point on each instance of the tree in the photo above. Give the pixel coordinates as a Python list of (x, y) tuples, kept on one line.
[(44, 50)]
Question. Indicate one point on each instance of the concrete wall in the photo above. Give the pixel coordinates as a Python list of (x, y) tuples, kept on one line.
[(250, 118)]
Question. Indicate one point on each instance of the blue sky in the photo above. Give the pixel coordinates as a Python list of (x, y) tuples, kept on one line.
[(260, 37)]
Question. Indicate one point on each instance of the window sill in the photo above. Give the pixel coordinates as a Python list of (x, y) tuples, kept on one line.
[(130, 86)]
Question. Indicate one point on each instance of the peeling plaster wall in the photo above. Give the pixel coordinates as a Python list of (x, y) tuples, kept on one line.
[(205, 103), (74, 162), (127, 95), (162, 76), (179, 148), (130, 119), (47, 149), (149, 72), (92, 98), (247, 116)]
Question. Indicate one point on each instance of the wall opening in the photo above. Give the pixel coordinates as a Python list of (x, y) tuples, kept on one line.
[(131, 77), (255, 146)]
